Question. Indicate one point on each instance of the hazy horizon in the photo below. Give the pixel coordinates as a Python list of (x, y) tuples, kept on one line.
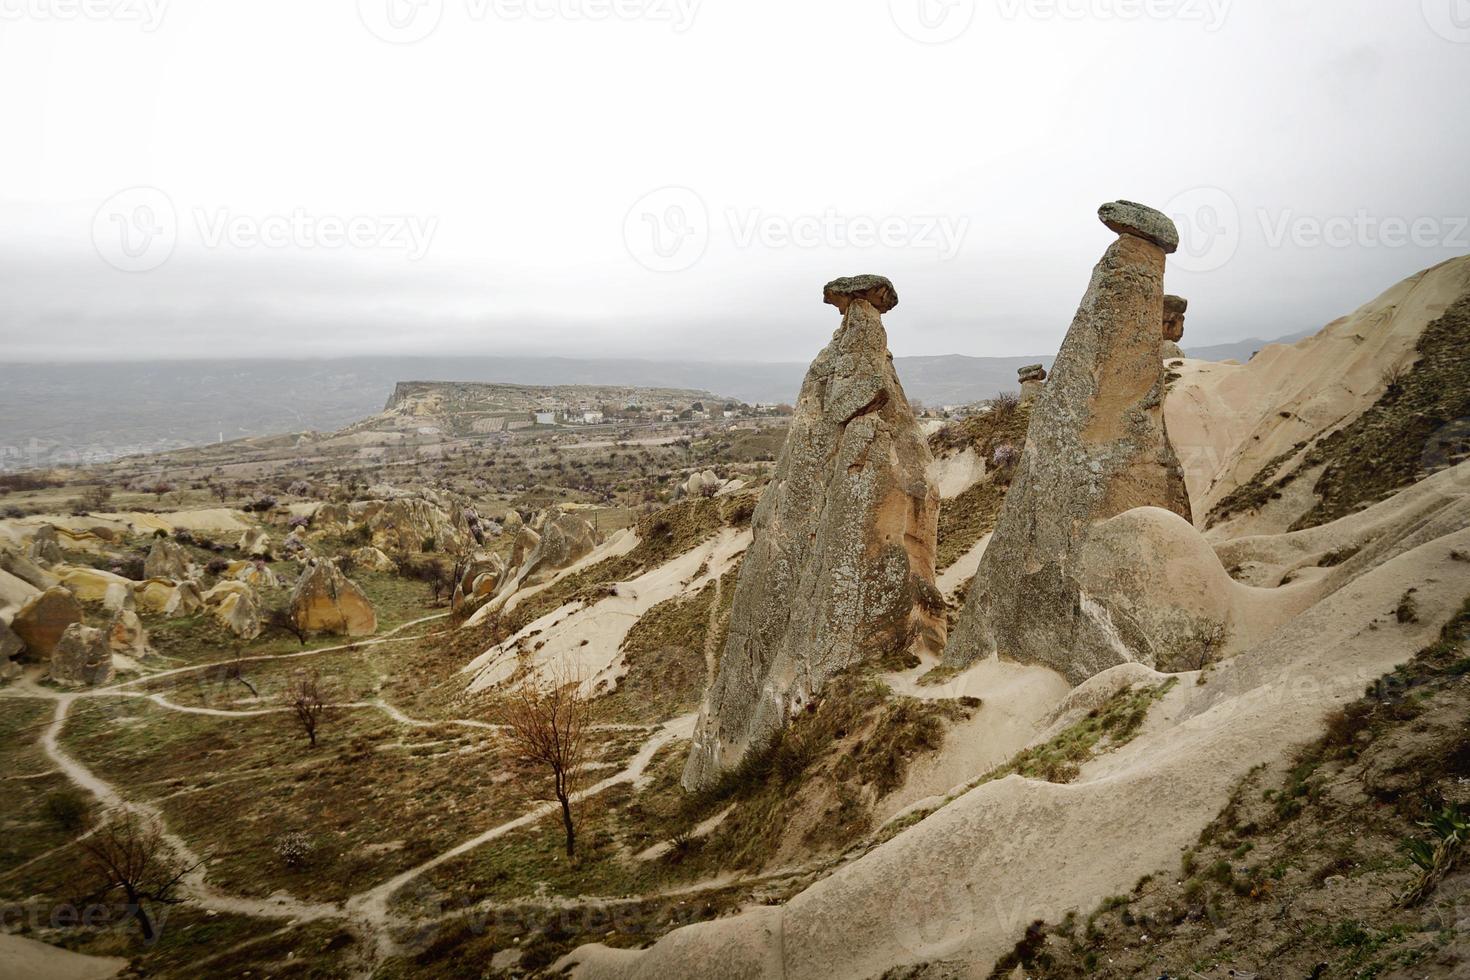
[(440, 176)]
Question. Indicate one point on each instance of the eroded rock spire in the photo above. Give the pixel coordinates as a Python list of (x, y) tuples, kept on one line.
[(841, 568), (1096, 447)]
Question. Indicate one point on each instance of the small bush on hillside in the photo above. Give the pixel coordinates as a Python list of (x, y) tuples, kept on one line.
[(68, 807), (295, 849)]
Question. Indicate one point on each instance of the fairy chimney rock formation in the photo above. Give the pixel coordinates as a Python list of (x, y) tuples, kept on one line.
[(1032, 378), (841, 568), (1096, 447)]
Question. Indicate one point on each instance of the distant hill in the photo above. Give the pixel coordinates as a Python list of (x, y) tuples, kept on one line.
[(66, 413), (1241, 350)]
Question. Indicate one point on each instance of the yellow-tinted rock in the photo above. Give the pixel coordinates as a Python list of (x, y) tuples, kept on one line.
[(41, 622), (89, 584), (326, 601)]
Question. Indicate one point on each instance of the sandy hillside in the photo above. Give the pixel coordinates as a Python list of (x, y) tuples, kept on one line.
[(1228, 420), (1311, 617), (589, 637), (964, 882)]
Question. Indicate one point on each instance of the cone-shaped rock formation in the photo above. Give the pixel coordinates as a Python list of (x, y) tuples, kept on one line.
[(841, 568)]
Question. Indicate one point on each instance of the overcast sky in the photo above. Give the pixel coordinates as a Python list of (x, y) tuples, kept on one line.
[(676, 178)]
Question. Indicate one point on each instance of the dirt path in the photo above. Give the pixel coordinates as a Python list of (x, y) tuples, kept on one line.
[(367, 913), (370, 908)]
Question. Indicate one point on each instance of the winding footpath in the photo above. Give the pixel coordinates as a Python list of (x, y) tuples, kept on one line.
[(367, 914)]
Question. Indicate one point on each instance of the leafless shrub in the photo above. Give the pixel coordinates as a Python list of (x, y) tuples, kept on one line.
[(1393, 377), (548, 718), (281, 620), (304, 696), (129, 854)]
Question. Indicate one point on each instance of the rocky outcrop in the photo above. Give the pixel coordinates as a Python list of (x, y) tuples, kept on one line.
[(159, 595), (41, 622), (1097, 446), (526, 542), (90, 584), (234, 604), (483, 576), (1032, 378), (46, 546), (10, 644), (255, 543), (185, 600), (565, 540), (326, 601), (841, 569), (167, 560), (28, 571), (255, 573), (704, 484), (1174, 309), (125, 635), (240, 614), (413, 526), (371, 559), (82, 658)]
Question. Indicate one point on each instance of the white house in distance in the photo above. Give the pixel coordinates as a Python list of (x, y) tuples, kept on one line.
[(545, 418), (592, 418)]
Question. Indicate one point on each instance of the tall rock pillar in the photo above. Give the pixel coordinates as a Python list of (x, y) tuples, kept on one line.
[(1096, 447), (841, 568)]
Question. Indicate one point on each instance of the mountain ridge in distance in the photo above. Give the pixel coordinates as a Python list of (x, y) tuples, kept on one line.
[(68, 412)]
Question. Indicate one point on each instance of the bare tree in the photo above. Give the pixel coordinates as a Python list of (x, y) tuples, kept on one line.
[(280, 618), (129, 853), (304, 695), (548, 718), (235, 671)]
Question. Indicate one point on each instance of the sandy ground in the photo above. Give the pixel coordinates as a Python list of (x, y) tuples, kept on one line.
[(1226, 420), (953, 475), (588, 637), (26, 959), (616, 546), (954, 578), (964, 882), (1017, 701)]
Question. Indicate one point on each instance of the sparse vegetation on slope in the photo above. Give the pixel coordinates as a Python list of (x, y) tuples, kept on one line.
[(996, 437), (1420, 425), (1337, 865)]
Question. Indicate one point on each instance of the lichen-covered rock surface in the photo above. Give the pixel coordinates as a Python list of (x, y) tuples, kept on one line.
[(841, 569), (1096, 447)]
